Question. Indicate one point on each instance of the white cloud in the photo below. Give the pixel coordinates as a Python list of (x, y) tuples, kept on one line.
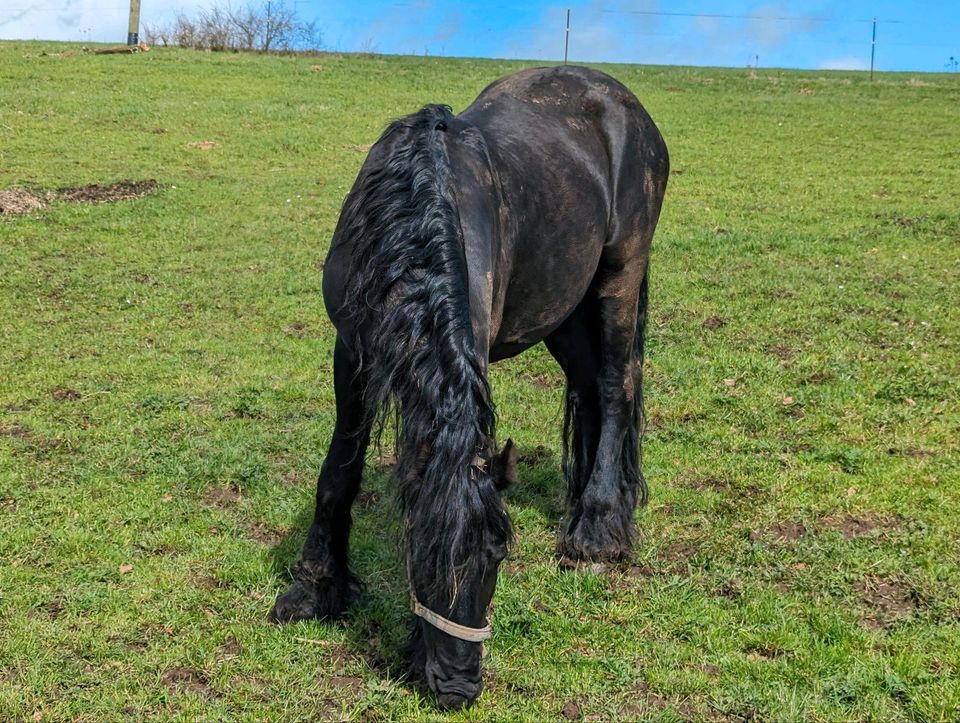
[(851, 62), (77, 20)]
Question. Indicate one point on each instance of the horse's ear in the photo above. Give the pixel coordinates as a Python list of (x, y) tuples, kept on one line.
[(505, 466)]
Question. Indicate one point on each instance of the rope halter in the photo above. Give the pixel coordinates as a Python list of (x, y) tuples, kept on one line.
[(471, 635)]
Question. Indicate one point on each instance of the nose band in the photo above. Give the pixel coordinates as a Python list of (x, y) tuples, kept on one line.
[(471, 635)]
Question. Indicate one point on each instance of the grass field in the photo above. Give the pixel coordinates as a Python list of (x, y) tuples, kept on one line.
[(166, 398)]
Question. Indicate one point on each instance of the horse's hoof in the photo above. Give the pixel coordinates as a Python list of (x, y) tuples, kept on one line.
[(584, 542), (308, 600)]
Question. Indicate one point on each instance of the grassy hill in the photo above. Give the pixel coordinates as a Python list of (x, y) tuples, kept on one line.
[(166, 399)]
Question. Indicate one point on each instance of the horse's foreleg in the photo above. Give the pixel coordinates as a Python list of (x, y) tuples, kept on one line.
[(323, 584), (601, 520)]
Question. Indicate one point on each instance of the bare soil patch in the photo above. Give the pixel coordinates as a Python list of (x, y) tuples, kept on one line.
[(708, 482), (230, 648), (854, 527), (780, 351), (221, 497), (63, 394), (368, 499), (675, 556), (19, 201), (547, 381), (571, 710), (16, 201), (538, 455), (264, 534), (781, 531), (355, 685), (105, 193), (14, 430), (886, 601), (297, 329), (188, 680), (713, 322)]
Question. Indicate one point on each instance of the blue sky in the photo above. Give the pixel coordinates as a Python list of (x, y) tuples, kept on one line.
[(918, 36)]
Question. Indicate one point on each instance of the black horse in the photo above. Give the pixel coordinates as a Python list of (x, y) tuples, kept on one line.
[(468, 239)]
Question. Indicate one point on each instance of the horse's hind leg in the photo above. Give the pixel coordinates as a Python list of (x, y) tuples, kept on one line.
[(323, 584), (576, 346), (600, 523)]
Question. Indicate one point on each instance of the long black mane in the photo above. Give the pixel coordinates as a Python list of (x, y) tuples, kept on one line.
[(408, 306)]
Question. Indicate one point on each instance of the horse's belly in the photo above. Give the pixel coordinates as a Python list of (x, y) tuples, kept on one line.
[(541, 294)]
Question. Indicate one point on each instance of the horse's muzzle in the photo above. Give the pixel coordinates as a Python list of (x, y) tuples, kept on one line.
[(453, 694)]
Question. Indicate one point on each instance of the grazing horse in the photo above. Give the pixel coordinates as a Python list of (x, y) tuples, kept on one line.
[(464, 240)]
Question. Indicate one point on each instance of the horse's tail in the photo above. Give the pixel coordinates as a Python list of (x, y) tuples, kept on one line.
[(631, 444), (407, 301)]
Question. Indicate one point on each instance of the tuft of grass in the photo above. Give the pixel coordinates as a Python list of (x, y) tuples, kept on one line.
[(166, 399)]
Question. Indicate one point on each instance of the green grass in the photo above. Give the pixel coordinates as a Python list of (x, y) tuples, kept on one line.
[(166, 399)]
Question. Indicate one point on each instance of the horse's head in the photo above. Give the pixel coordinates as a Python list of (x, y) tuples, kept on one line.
[(452, 620)]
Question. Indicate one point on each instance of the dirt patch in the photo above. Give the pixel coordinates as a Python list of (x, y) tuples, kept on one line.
[(202, 145), (733, 497), (780, 351), (645, 702), (210, 582), (818, 378), (221, 497), (354, 685), (709, 482), (54, 608), (17, 431), (264, 534), (17, 201), (731, 589), (188, 680), (782, 531), (571, 710), (294, 478), (368, 499), (675, 556), (854, 527), (764, 651), (780, 293), (124, 190), (916, 452), (886, 601), (713, 322), (297, 329), (547, 381), (538, 455), (629, 578), (62, 394), (230, 648)]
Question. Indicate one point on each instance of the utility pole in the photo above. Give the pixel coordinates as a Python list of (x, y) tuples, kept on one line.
[(566, 40), (133, 29), (873, 48)]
